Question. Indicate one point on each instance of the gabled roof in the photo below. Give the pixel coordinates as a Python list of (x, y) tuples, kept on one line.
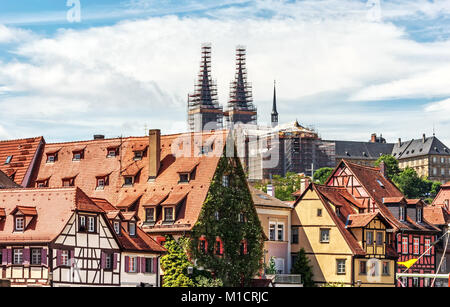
[(96, 163), (437, 215), (443, 196), (25, 210), (324, 193), (363, 219), (24, 153), (381, 189), (265, 200), (420, 147), (142, 242), (53, 207), (6, 182)]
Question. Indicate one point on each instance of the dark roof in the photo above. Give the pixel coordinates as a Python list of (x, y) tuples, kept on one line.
[(361, 150), (420, 147), (6, 182)]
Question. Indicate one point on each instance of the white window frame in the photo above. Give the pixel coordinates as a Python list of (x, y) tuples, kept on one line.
[(19, 226), (416, 243), (132, 228), (91, 224), (405, 242), (18, 256), (427, 243), (341, 266), (65, 256), (36, 256), (322, 238), (272, 227), (225, 181), (282, 231), (132, 264), (117, 227)]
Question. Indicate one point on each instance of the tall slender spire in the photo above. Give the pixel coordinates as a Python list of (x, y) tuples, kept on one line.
[(274, 115), (204, 111), (240, 107)]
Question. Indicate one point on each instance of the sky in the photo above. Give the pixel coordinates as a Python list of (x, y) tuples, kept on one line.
[(70, 69)]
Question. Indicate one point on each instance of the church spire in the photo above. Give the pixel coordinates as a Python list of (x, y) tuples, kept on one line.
[(274, 115)]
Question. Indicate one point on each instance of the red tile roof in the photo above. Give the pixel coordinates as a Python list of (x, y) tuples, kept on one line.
[(24, 152), (96, 162), (437, 215), (443, 196), (142, 242), (25, 210), (53, 207), (363, 219), (381, 189)]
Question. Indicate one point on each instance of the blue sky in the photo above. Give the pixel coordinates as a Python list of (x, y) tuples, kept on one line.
[(346, 67)]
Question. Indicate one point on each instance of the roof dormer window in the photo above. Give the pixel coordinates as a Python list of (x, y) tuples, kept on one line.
[(78, 155), (419, 214), (402, 213), (129, 181), (116, 225), (68, 182), (102, 182), (132, 228), (184, 178), (51, 158), (169, 214), (138, 154), (19, 223), (43, 183), (112, 152)]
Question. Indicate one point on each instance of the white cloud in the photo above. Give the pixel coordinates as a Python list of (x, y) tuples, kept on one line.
[(115, 79), (13, 35)]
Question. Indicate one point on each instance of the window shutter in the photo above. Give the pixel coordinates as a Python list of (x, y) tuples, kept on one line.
[(26, 255), (9, 255), (44, 256), (115, 261), (127, 264), (58, 257), (143, 265), (155, 265), (72, 252), (103, 260), (4, 256), (138, 264)]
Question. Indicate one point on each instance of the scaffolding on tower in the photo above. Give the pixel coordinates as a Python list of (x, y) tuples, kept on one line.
[(240, 108), (203, 104)]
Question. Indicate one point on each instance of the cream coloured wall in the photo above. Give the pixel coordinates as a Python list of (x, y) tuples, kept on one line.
[(135, 279)]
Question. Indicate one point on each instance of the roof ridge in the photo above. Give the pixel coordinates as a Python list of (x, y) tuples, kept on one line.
[(22, 139)]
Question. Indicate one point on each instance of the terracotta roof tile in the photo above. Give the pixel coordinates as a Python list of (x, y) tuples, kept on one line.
[(53, 207), (2, 212), (155, 199), (436, 215), (175, 198), (128, 201), (97, 163), (360, 220), (23, 152)]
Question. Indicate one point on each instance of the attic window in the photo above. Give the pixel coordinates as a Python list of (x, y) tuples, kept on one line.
[(78, 155), (169, 215), (102, 181), (138, 154), (132, 228), (184, 178), (19, 223), (128, 181), (68, 182), (51, 158), (8, 160), (112, 152), (42, 183)]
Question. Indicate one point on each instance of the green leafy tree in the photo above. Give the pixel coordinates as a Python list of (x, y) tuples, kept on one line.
[(411, 185), (303, 267), (271, 269), (321, 175), (209, 282), (175, 264), (391, 164), (228, 213)]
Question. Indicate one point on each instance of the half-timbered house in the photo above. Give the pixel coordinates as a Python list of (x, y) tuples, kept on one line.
[(60, 237), (343, 244), (412, 234)]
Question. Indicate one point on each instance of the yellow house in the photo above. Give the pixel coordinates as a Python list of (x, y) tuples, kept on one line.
[(344, 245)]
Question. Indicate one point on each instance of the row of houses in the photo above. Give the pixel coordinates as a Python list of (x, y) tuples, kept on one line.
[(355, 229), (97, 213)]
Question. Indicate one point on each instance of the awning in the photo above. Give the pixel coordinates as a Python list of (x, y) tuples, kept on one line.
[(175, 198), (128, 201), (155, 200), (53, 151), (187, 167), (131, 170), (28, 211)]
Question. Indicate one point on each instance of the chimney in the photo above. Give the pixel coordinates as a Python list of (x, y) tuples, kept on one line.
[(99, 137), (399, 142), (154, 153), (424, 137), (383, 169), (373, 138)]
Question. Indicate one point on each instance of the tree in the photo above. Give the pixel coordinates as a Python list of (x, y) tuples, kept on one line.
[(227, 238), (175, 264), (302, 266), (321, 175), (411, 185), (391, 164), (271, 269)]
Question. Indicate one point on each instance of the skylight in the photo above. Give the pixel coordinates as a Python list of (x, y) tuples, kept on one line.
[(8, 159), (380, 183)]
